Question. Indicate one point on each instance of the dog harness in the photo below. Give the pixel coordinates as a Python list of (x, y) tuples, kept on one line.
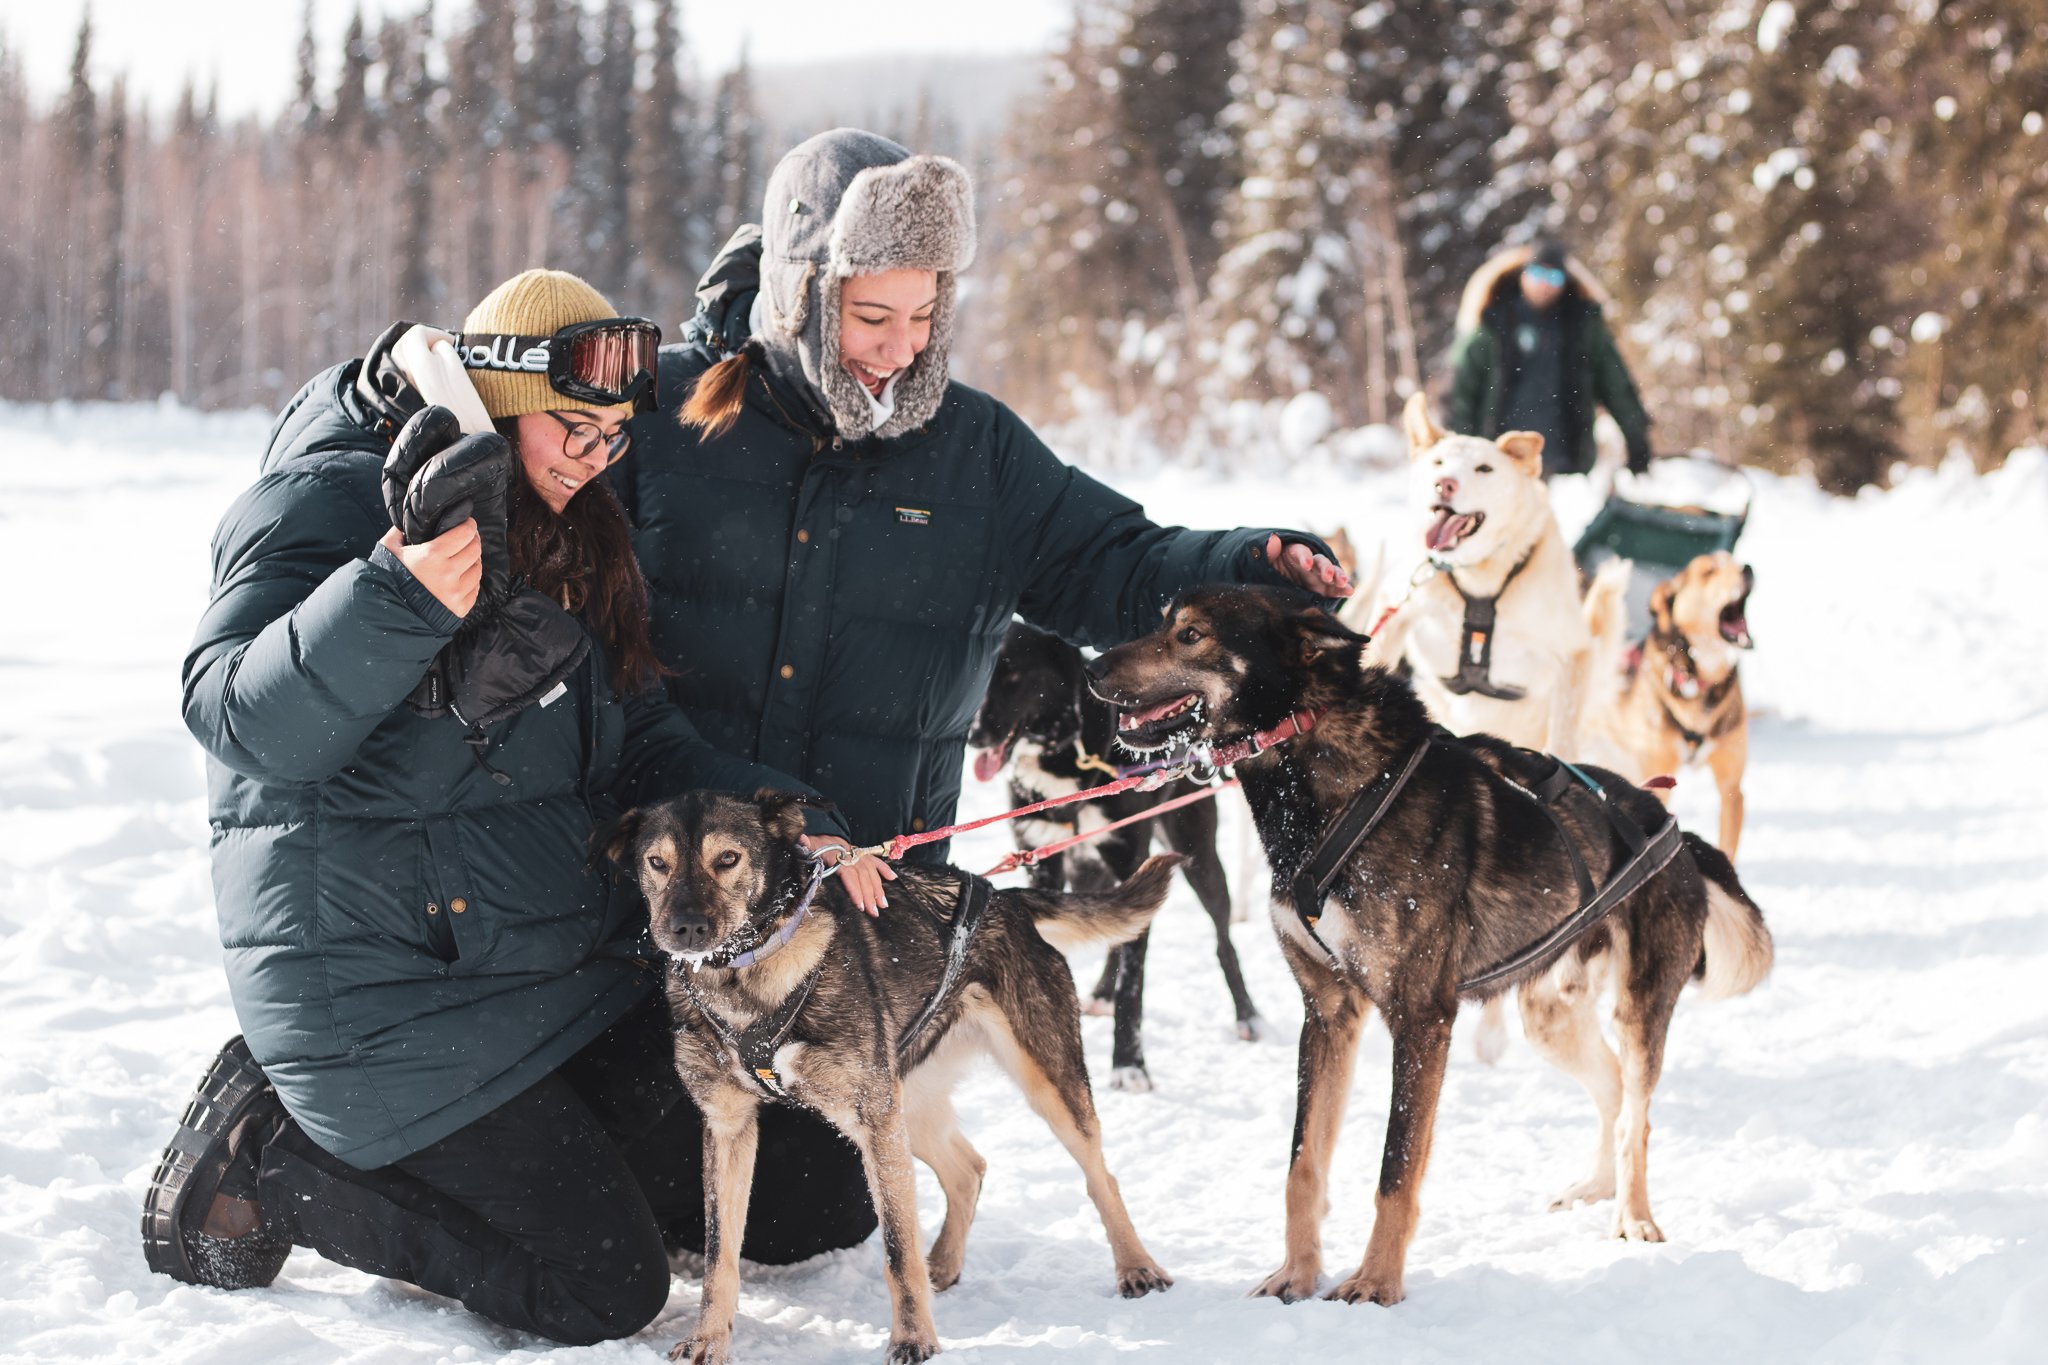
[(1648, 854), (1475, 645), (753, 1048), (976, 895), (1682, 680)]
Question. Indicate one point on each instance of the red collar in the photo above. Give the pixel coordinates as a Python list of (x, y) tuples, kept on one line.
[(1300, 723)]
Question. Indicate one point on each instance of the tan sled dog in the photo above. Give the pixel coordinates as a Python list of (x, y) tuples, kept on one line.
[(1681, 701)]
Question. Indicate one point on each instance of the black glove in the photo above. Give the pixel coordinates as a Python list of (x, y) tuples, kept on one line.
[(436, 478), (1638, 457), (516, 645)]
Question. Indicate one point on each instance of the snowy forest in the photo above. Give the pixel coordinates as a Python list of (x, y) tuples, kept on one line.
[(1822, 224)]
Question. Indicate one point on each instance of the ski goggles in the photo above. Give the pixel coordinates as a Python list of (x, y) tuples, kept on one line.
[(1546, 274), (607, 362)]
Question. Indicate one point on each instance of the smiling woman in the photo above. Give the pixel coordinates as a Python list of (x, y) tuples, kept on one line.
[(454, 1072)]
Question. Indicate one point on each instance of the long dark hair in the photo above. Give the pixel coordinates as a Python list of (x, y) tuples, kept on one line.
[(582, 557)]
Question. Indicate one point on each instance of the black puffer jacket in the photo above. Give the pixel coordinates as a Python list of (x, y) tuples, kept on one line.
[(834, 609)]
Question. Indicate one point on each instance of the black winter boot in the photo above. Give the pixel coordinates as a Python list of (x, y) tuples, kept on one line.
[(214, 1153)]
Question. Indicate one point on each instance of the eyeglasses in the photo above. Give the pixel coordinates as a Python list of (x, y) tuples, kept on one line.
[(606, 362), (585, 437), (1545, 274)]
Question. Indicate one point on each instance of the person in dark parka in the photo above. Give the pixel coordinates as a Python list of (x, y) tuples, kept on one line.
[(837, 539), (447, 1076), (1533, 353)]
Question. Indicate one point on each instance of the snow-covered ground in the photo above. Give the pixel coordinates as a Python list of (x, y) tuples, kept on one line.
[(1851, 1164)]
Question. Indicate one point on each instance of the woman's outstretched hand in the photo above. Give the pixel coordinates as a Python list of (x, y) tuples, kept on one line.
[(863, 880), (1304, 568)]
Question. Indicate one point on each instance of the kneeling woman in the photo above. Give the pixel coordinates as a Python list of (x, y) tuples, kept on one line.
[(448, 1076)]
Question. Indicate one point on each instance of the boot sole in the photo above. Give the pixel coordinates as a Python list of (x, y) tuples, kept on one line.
[(190, 1168)]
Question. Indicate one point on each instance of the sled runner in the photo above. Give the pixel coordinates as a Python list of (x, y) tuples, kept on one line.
[(1685, 506)]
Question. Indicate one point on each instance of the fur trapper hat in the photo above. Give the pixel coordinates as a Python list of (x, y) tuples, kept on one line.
[(848, 203)]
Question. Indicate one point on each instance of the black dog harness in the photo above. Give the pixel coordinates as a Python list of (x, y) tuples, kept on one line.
[(976, 895), (1475, 645), (1648, 855), (754, 1047)]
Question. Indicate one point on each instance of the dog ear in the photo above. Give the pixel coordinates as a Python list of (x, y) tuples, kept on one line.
[(1415, 420), (1525, 448), (1660, 606), (614, 839), (783, 811), (1317, 633)]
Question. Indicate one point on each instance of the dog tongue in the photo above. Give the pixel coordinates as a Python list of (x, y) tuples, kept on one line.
[(1446, 530), (989, 762)]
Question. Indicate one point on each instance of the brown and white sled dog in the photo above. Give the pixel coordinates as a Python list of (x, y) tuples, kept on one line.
[(718, 870), (1464, 871), (1681, 696)]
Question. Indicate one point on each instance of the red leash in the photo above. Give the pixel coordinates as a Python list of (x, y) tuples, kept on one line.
[(1025, 857), (1215, 760)]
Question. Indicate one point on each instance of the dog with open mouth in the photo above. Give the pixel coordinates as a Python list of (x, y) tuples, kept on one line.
[(1039, 721), (1493, 633), (1680, 701), (783, 992), (1459, 885)]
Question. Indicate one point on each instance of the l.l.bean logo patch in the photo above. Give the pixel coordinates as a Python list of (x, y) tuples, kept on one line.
[(914, 516)]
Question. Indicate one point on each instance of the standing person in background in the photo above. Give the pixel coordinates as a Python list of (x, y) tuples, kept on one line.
[(456, 1072), (1534, 354), (837, 534)]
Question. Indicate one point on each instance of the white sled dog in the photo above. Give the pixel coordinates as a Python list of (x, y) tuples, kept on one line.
[(1489, 621)]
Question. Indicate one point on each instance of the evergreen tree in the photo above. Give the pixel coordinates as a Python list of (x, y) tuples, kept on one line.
[(669, 237), (1289, 289)]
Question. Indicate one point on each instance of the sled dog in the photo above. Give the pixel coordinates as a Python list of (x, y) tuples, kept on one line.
[(783, 992), (1681, 696), (1493, 634), (1465, 871), (1040, 720)]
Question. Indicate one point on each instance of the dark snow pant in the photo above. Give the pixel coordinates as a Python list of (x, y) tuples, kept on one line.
[(550, 1213)]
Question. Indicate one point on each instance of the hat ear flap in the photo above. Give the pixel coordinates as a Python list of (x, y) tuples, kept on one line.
[(1416, 422)]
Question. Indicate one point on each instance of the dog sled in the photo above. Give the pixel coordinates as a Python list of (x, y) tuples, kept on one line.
[(1683, 507)]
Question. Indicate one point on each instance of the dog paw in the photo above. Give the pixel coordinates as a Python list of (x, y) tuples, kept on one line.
[(1136, 1281), (1588, 1191), (943, 1276), (1132, 1079), (1632, 1229), (702, 1350), (1251, 1030), (1289, 1284), (911, 1351), (1384, 1290), (1098, 1007)]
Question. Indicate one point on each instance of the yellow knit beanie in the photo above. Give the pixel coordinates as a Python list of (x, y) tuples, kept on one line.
[(533, 303)]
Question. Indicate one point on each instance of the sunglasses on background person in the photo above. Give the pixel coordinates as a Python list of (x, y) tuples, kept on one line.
[(1545, 274)]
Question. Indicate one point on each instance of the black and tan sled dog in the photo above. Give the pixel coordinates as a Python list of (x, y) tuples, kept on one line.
[(1465, 870), (1040, 720), (783, 992)]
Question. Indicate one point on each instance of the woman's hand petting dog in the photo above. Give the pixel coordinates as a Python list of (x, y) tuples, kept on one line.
[(450, 566), (863, 880), (1305, 568)]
